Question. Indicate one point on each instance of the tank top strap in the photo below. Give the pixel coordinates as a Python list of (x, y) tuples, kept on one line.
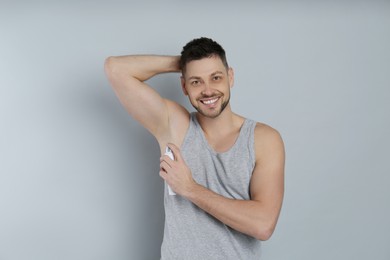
[(246, 138)]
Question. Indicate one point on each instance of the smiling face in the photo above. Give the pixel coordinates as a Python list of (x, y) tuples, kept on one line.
[(207, 84)]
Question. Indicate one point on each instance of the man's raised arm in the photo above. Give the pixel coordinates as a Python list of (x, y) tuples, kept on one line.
[(127, 75)]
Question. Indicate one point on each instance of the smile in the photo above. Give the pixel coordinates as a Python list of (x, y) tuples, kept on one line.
[(209, 101)]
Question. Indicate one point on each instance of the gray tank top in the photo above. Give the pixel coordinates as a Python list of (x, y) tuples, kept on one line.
[(191, 233)]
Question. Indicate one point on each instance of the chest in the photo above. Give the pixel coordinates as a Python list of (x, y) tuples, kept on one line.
[(221, 143), (228, 174)]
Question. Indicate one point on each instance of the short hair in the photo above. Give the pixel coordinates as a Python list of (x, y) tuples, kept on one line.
[(201, 48)]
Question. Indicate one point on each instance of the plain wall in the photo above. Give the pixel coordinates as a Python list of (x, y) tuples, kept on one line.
[(79, 177)]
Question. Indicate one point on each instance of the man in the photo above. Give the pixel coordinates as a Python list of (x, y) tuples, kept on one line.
[(227, 172)]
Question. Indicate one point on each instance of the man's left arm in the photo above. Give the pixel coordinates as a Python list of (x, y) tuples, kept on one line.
[(256, 217)]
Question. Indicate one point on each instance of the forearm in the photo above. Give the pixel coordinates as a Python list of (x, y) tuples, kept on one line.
[(142, 67), (247, 216)]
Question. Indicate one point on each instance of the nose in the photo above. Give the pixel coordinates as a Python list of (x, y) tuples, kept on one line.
[(207, 91)]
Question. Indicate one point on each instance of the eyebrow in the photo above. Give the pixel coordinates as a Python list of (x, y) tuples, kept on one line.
[(217, 72), (212, 74), (193, 77)]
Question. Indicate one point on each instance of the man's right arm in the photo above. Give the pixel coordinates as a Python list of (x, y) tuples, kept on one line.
[(127, 75)]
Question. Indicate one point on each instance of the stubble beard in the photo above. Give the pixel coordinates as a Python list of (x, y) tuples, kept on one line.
[(216, 112)]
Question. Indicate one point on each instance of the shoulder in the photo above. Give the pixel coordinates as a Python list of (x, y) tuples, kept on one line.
[(268, 141), (264, 131)]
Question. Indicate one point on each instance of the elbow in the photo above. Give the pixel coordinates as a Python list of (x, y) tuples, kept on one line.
[(109, 65), (264, 232), (114, 69)]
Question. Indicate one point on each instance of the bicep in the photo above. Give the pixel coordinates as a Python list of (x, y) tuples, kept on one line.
[(267, 183)]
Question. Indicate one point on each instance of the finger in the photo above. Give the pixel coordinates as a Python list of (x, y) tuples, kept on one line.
[(163, 174), (165, 158), (164, 165)]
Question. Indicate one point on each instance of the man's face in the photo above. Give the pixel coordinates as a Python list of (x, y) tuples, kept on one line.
[(207, 84)]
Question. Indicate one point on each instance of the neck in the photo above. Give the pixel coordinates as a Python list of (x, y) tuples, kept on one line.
[(224, 123)]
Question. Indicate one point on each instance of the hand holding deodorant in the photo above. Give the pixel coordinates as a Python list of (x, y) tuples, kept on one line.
[(169, 152)]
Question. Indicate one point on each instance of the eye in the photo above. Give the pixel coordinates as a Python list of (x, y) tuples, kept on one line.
[(195, 82), (215, 78)]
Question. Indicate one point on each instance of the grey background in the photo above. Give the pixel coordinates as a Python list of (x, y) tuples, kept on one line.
[(79, 178)]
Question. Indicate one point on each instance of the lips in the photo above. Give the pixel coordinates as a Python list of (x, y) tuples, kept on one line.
[(209, 101)]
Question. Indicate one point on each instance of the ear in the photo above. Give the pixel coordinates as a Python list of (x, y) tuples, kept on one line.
[(183, 85), (231, 77)]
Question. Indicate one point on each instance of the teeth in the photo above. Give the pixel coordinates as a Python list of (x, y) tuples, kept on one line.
[(208, 102)]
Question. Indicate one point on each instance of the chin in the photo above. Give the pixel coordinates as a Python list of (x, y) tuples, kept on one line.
[(210, 114)]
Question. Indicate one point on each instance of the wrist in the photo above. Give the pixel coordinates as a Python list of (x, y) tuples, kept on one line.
[(192, 190), (174, 64)]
